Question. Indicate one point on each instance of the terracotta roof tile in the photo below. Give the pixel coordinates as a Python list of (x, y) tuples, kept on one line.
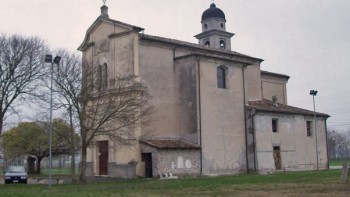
[(170, 144), (268, 106)]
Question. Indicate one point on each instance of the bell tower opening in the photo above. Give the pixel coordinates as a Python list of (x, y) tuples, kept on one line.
[(214, 29)]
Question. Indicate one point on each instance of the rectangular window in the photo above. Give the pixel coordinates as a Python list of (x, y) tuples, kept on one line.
[(308, 128), (221, 77), (274, 125)]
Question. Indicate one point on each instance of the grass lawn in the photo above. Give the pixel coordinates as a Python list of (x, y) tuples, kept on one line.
[(59, 171), (314, 183), (338, 162)]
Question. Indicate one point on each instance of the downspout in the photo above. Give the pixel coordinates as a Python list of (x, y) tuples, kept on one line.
[(245, 118), (174, 56), (254, 137), (199, 116), (325, 128)]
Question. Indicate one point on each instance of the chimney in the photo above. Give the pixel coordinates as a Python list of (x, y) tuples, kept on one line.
[(275, 101), (104, 11)]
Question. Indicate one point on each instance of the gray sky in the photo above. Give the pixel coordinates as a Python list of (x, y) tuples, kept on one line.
[(308, 40)]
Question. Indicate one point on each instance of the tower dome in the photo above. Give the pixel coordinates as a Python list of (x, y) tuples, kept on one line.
[(214, 32), (213, 12)]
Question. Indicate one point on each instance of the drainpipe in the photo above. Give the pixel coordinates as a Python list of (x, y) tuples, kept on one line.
[(199, 115), (325, 128), (245, 117), (254, 112)]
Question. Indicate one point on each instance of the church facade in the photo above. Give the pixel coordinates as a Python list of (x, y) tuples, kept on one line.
[(216, 112)]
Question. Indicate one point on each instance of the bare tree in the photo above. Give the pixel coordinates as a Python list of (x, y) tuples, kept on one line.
[(338, 145), (115, 110), (21, 65)]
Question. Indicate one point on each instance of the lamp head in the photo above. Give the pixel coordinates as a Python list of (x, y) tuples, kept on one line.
[(48, 58), (313, 92), (57, 60)]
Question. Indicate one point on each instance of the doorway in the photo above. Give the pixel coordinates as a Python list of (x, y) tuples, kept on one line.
[(147, 158), (277, 157), (103, 157)]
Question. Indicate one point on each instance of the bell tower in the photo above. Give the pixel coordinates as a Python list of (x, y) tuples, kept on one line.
[(214, 32)]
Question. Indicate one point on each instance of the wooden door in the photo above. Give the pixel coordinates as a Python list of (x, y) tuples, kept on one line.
[(277, 157), (147, 158), (103, 157)]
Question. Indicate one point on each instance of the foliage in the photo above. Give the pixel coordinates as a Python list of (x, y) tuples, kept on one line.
[(21, 65), (312, 183), (31, 138)]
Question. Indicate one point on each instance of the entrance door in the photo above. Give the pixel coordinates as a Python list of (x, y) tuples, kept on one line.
[(277, 157), (103, 157), (147, 158)]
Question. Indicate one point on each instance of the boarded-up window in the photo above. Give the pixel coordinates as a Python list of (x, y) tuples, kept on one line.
[(274, 125), (308, 128)]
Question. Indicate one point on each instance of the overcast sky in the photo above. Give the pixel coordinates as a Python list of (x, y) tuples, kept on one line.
[(309, 40)]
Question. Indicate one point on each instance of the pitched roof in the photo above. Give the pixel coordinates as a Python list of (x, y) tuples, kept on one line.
[(275, 74), (268, 106), (193, 45), (169, 144)]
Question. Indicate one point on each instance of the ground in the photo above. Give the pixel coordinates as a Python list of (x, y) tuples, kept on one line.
[(315, 183)]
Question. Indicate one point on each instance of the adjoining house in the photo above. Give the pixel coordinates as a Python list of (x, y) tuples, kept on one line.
[(216, 111)]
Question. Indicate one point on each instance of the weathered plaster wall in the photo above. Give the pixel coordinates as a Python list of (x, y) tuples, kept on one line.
[(186, 84), (172, 88), (222, 114), (118, 52), (274, 86), (298, 151), (252, 82)]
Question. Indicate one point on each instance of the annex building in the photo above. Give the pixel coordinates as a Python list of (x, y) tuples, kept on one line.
[(216, 112)]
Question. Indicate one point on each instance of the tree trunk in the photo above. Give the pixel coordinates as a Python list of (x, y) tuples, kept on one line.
[(72, 147), (72, 167), (38, 165), (31, 165), (83, 178), (1, 121)]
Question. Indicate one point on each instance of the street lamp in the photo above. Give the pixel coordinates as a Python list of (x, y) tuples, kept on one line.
[(314, 93), (48, 59)]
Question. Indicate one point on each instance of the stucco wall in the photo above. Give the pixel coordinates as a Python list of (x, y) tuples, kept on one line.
[(222, 115), (252, 82), (298, 151), (274, 86)]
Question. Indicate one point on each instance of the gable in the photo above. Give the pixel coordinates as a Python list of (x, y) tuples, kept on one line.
[(104, 28)]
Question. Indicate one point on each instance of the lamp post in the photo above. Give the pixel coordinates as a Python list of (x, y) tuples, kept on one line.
[(48, 59), (314, 93)]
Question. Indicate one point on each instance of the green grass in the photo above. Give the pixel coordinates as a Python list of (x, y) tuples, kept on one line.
[(316, 183), (59, 171), (338, 162)]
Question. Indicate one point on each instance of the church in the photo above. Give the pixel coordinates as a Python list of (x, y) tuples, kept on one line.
[(216, 112)]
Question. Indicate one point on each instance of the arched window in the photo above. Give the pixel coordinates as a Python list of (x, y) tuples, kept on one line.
[(221, 76), (207, 43), (102, 76), (222, 44), (99, 76), (205, 26)]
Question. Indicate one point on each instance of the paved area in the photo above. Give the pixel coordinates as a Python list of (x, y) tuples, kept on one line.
[(42, 181), (335, 167)]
